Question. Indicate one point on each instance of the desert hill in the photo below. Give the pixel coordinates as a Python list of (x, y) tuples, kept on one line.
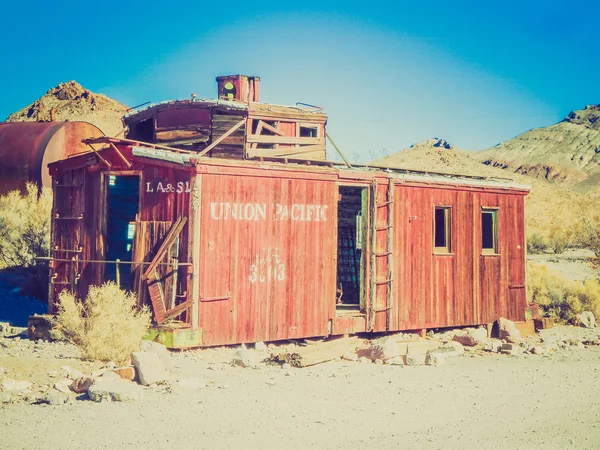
[(566, 152), (71, 101), (548, 206)]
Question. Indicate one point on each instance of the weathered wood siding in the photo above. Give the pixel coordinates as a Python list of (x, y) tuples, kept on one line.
[(464, 287), (267, 268)]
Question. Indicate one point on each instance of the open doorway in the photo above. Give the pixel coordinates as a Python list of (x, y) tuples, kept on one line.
[(122, 206), (351, 245)]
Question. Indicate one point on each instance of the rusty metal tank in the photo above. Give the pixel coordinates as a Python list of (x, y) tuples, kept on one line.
[(26, 149)]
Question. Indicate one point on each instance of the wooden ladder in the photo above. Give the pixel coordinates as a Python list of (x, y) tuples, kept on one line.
[(388, 253)]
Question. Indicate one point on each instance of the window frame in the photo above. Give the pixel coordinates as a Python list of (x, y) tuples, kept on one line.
[(493, 210), (447, 249)]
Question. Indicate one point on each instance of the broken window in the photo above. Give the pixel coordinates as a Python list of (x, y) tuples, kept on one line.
[(442, 229), (308, 131), (489, 230)]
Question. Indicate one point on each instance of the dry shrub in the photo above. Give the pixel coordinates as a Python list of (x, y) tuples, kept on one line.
[(588, 234), (24, 226), (559, 239), (559, 297), (536, 243), (107, 326)]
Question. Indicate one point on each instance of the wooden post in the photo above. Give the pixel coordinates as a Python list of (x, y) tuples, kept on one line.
[(196, 216), (118, 273)]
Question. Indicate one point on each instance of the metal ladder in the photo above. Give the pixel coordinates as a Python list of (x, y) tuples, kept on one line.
[(388, 253)]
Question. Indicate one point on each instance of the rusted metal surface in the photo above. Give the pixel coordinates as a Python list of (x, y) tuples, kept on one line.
[(26, 149), (262, 241)]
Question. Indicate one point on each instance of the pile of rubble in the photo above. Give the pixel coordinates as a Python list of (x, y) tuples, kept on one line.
[(149, 368), (402, 349)]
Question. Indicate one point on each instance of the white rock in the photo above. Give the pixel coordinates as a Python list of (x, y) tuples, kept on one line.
[(261, 347), (414, 358), (245, 357), (54, 398), (364, 359), (350, 356), (435, 359), (5, 397), (382, 349), (586, 319), (479, 334), (160, 350), (395, 361), (9, 384), (63, 385), (115, 391), (508, 331), (149, 368), (452, 348), (110, 375)]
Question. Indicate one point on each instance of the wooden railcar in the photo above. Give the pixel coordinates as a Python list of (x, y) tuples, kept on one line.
[(236, 251)]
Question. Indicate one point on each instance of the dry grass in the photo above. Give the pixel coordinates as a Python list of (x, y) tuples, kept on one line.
[(24, 226), (560, 297), (107, 326)]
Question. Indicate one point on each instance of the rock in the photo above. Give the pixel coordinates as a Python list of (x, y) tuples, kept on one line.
[(110, 365), (286, 366), (73, 374), (493, 345), (396, 361), (271, 382), (9, 384), (149, 368), (81, 385), (245, 357), (115, 391), (382, 349), (465, 340), (586, 319), (63, 385), (5, 328), (452, 348), (364, 359), (435, 359), (5, 397), (54, 398), (110, 375), (430, 334), (160, 350), (2, 370), (509, 348), (414, 358), (508, 331), (191, 383), (125, 372), (53, 374), (479, 334), (261, 347), (350, 356)]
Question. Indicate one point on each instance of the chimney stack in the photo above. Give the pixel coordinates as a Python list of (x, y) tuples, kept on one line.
[(242, 88)]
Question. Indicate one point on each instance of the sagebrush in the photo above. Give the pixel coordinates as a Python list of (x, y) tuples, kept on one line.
[(107, 326), (559, 297), (24, 226)]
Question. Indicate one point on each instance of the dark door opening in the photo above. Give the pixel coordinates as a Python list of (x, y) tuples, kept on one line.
[(122, 207), (351, 242)]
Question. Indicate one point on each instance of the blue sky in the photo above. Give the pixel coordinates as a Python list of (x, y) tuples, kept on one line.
[(474, 73)]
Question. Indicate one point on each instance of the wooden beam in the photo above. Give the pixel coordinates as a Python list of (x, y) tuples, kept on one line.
[(114, 147), (319, 353), (271, 128), (109, 165), (167, 242), (222, 138), (285, 140)]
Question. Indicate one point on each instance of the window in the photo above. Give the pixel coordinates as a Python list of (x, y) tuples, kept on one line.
[(309, 131), (442, 219), (489, 230)]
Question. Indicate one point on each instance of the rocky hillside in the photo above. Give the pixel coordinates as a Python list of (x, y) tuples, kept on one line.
[(547, 206), (566, 152), (71, 101)]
